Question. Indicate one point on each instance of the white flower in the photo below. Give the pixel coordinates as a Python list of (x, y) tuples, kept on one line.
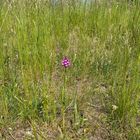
[(114, 107)]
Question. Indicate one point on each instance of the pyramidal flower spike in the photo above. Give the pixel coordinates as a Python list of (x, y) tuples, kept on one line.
[(65, 62)]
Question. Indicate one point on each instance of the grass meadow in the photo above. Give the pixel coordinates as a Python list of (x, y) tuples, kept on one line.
[(97, 97)]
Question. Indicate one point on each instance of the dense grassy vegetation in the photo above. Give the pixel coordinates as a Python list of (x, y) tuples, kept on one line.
[(97, 97)]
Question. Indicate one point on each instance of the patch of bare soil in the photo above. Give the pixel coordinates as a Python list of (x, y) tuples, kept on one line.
[(92, 128)]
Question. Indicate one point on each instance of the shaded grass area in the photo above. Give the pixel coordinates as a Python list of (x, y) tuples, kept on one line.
[(97, 97)]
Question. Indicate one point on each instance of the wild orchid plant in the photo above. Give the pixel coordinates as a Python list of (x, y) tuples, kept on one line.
[(66, 64)]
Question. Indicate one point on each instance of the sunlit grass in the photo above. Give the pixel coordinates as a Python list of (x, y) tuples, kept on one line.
[(102, 41)]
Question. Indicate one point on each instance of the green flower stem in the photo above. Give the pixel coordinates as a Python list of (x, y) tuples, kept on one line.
[(63, 99)]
